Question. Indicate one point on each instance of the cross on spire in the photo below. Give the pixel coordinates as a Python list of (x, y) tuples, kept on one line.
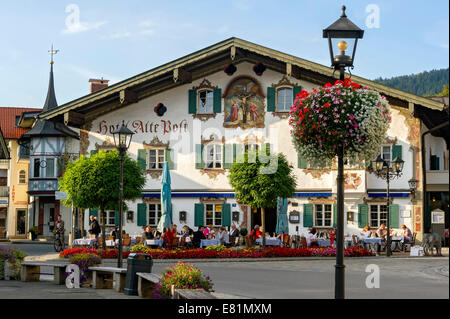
[(52, 53)]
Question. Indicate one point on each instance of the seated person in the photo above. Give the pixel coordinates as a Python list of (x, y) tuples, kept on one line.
[(167, 237), (184, 231), (382, 231), (147, 234), (311, 239), (207, 231), (115, 233), (198, 236), (366, 233), (407, 234), (256, 233), (223, 236)]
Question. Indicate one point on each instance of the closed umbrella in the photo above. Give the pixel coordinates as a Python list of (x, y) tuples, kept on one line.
[(282, 219), (166, 200)]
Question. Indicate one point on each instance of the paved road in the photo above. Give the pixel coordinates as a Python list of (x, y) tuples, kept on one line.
[(399, 278), (425, 277)]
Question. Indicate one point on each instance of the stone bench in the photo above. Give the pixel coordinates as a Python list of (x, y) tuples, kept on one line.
[(31, 271), (108, 278), (146, 284)]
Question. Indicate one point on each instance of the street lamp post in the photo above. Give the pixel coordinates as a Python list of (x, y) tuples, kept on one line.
[(343, 28), (122, 139), (388, 170)]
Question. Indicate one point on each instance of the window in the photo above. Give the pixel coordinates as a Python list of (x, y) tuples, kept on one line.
[(37, 167), (251, 147), (386, 153), (323, 216), (205, 101), (156, 158), (284, 99), (213, 156), (50, 167), (154, 214), (22, 177), (213, 214), (378, 215), (110, 218)]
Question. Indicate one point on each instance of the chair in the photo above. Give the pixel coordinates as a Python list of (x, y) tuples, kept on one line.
[(182, 242), (91, 236), (286, 240), (410, 244), (304, 243), (232, 241), (248, 241), (100, 241), (175, 242)]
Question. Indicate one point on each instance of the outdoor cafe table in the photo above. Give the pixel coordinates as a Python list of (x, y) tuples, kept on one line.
[(209, 242), (271, 241), (154, 242), (323, 242), (83, 242), (396, 242)]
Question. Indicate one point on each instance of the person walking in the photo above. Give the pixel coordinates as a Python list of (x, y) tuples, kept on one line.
[(94, 229)]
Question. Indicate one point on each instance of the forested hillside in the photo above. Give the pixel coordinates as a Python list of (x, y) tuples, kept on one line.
[(424, 83)]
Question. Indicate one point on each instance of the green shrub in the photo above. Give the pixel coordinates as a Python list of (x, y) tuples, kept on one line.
[(216, 248), (140, 249), (243, 231)]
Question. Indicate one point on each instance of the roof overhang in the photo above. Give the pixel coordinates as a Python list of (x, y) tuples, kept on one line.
[(205, 62)]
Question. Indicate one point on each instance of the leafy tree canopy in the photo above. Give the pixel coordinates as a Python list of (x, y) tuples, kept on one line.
[(258, 179), (93, 182)]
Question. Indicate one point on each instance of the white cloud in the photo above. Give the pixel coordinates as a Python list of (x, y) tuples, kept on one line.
[(119, 35), (82, 27), (242, 5)]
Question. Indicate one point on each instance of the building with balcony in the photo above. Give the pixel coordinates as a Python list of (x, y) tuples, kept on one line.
[(14, 200)]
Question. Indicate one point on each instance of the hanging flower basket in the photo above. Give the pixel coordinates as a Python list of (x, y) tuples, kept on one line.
[(344, 114)]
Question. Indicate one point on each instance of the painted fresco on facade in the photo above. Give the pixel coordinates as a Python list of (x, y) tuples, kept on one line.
[(244, 104)]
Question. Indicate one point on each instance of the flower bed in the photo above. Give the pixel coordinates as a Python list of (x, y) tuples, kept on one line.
[(14, 257), (183, 276), (256, 252)]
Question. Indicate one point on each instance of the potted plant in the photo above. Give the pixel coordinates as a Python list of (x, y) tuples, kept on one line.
[(243, 231), (34, 231)]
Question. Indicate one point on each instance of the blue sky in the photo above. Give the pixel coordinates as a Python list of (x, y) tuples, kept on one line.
[(118, 39)]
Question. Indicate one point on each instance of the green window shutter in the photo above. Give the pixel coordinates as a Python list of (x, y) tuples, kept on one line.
[(169, 157), (116, 219), (199, 212), (227, 156), (237, 151), (393, 216), (271, 93), (217, 106), (93, 212), (436, 163), (226, 215), (199, 163), (396, 151), (363, 215), (302, 163), (192, 101), (93, 152), (142, 159), (334, 215), (296, 90), (308, 212), (141, 214)]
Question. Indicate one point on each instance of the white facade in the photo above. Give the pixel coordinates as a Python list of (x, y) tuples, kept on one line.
[(182, 132)]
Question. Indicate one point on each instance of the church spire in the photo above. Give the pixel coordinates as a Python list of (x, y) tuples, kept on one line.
[(50, 102)]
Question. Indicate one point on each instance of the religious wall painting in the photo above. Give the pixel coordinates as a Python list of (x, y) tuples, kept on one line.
[(244, 104)]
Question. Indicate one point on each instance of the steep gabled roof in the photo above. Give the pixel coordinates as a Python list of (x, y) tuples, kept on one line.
[(212, 59)]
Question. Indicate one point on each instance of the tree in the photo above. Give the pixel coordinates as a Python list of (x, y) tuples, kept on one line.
[(93, 182), (445, 91), (259, 179)]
